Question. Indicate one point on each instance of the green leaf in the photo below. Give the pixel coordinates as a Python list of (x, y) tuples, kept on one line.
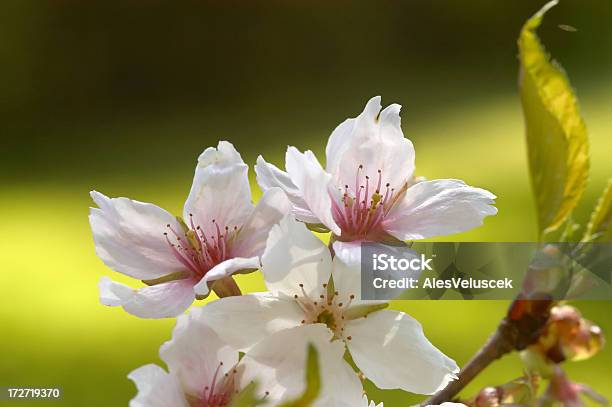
[(363, 310), (599, 229), (170, 277), (317, 227), (247, 397), (313, 381), (557, 140)]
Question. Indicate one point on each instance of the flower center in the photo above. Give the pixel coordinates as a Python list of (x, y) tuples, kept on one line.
[(197, 251), (362, 208), (326, 309), (218, 393)]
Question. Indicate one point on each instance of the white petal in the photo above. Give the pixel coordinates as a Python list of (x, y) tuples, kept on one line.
[(438, 208), (375, 141), (343, 136), (347, 282), (269, 176), (348, 271), (342, 387), (129, 237), (347, 278), (158, 301), (156, 388), (271, 208), (194, 354), (348, 252), (243, 321), (220, 190), (391, 350), (314, 185), (293, 257), (280, 360), (337, 144), (371, 403), (225, 269)]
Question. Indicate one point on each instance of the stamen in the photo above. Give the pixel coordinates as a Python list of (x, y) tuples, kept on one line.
[(195, 251), (357, 177), (364, 206), (304, 291), (350, 301), (326, 309), (213, 384)]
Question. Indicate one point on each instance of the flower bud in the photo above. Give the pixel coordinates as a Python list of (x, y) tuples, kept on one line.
[(563, 391), (487, 397), (546, 272), (566, 336), (516, 392)]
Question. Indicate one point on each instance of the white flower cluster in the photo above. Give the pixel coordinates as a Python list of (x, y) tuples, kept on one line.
[(367, 192)]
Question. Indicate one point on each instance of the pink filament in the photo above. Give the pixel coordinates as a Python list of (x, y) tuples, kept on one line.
[(361, 211), (202, 253)]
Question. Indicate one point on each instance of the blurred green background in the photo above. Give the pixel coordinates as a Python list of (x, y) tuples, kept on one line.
[(122, 96)]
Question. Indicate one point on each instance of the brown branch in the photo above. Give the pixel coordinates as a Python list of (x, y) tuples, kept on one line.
[(521, 327), (498, 344)]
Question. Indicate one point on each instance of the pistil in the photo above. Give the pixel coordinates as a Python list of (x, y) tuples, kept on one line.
[(326, 309), (361, 210), (198, 252)]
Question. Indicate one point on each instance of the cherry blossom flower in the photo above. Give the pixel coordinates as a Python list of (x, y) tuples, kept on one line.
[(222, 233), (205, 372), (367, 190), (389, 347)]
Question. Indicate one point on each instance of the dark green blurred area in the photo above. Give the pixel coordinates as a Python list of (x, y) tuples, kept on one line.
[(82, 81), (122, 96)]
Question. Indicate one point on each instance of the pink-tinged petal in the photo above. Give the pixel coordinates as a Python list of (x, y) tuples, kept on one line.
[(195, 354), (271, 208), (278, 363), (113, 294), (245, 320), (314, 185), (270, 176), (389, 347), (129, 237), (220, 190), (375, 141), (438, 208), (156, 388), (163, 300), (295, 260), (225, 269)]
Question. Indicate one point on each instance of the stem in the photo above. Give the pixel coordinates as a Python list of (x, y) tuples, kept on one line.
[(330, 246), (500, 343), (226, 287), (521, 327)]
